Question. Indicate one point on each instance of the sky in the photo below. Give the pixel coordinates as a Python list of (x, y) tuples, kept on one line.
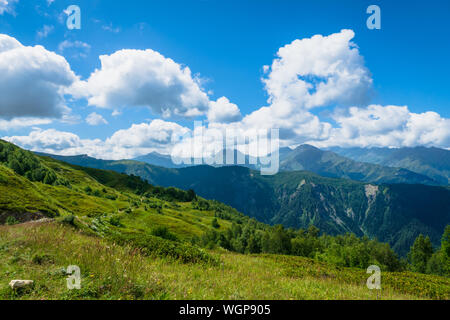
[(138, 73)]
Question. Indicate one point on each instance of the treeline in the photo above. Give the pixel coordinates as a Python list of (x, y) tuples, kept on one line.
[(137, 185), (424, 258), (342, 250), (171, 194), (26, 164), (346, 250)]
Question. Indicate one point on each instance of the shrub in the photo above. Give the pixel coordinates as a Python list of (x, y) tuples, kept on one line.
[(97, 193), (111, 197), (88, 190), (164, 233), (155, 246), (215, 224), (115, 221), (41, 258), (10, 221), (70, 220), (26, 164)]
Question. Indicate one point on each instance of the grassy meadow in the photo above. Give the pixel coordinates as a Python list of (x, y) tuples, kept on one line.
[(41, 251), (132, 240)]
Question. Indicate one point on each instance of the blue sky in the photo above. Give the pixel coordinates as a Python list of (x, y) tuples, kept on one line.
[(228, 42)]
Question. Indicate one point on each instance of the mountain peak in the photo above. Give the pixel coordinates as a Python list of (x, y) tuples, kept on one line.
[(306, 147)]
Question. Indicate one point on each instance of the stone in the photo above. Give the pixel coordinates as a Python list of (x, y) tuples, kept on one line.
[(18, 284)]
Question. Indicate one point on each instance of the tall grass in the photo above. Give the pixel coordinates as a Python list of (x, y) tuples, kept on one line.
[(41, 251)]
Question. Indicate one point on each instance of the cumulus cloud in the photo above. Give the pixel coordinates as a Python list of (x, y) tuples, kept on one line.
[(223, 110), (137, 140), (95, 119), (45, 31), (31, 81), (387, 126), (7, 6), (147, 135), (79, 48), (17, 123), (46, 140), (329, 71), (131, 78), (319, 71), (309, 73)]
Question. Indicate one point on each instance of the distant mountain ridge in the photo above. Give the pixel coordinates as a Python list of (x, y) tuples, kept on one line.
[(432, 162), (322, 162), (159, 159), (330, 164), (394, 213)]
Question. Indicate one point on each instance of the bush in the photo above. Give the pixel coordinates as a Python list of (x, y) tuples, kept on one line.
[(155, 246), (164, 233), (215, 224), (88, 190), (26, 164), (115, 221), (70, 220), (171, 194), (41, 258), (10, 221), (111, 197)]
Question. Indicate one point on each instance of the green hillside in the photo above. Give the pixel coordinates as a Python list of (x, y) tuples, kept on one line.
[(95, 196), (134, 240), (393, 213), (42, 251)]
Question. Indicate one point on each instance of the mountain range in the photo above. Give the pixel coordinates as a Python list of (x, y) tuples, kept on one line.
[(432, 162), (430, 166), (393, 213)]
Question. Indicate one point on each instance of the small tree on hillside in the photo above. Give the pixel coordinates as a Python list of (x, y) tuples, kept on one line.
[(215, 223), (420, 254), (445, 250)]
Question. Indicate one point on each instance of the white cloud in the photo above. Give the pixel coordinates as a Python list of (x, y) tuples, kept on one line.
[(323, 71), (110, 28), (45, 31), (319, 71), (388, 126), (139, 139), (147, 135), (31, 81), (17, 123), (66, 44), (223, 111), (7, 6), (47, 140), (131, 78), (95, 119), (116, 113), (309, 73)]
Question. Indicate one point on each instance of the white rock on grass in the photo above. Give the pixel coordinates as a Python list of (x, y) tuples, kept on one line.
[(18, 284)]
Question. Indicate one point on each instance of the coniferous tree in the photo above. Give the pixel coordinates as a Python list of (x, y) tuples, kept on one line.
[(420, 254), (445, 250)]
